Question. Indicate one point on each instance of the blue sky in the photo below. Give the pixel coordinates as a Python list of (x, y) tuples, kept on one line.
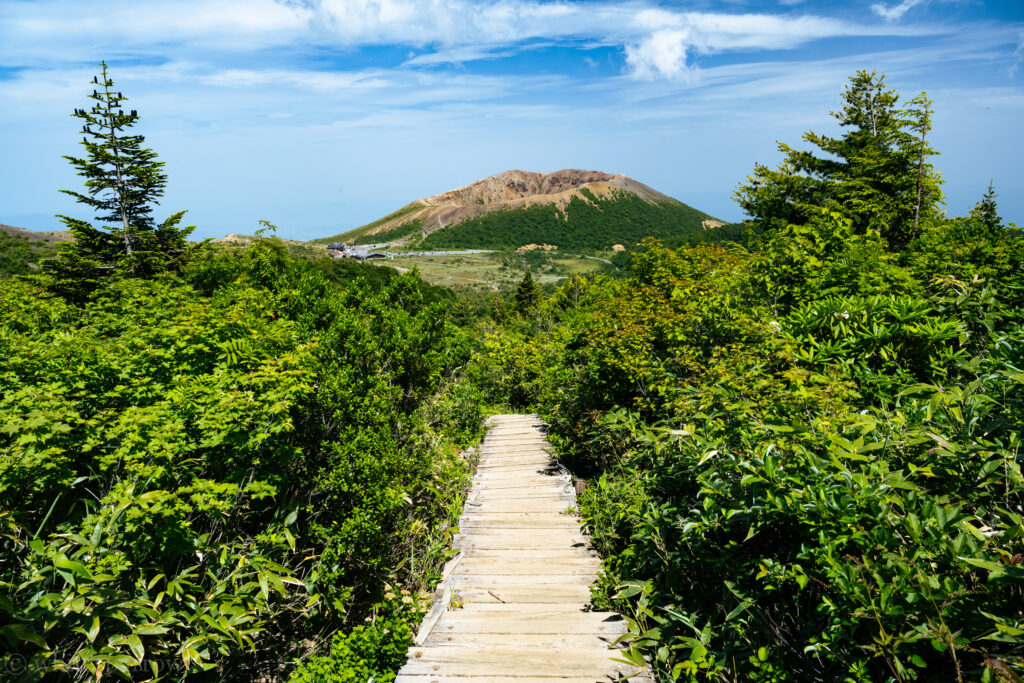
[(321, 115)]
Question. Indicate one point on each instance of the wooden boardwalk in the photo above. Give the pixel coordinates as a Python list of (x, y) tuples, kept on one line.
[(513, 603)]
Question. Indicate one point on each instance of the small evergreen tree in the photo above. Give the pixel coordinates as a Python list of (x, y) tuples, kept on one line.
[(986, 212), (527, 294), (123, 182), (877, 173)]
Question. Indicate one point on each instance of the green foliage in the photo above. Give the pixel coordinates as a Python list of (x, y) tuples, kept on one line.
[(824, 491), (986, 211), (803, 453), (878, 174), (123, 181), (207, 475), (527, 295), (123, 178), (590, 223), (372, 651)]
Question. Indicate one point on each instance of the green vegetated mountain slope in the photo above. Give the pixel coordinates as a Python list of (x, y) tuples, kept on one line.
[(21, 250), (569, 208)]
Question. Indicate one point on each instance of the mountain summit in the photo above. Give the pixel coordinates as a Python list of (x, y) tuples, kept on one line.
[(569, 208)]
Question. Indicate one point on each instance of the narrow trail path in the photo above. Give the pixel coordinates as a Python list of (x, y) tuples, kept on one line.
[(513, 604)]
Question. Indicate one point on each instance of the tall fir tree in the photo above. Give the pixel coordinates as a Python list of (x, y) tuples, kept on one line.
[(527, 295), (878, 173), (123, 182)]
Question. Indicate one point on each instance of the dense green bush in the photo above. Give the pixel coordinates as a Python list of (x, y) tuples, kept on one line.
[(205, 478), (371, 651), (824, 490), (802, 454)]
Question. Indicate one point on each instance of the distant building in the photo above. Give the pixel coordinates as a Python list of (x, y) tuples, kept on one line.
[(352, 250)]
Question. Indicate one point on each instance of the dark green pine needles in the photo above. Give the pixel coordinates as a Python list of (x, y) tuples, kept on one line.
[(123, 181)]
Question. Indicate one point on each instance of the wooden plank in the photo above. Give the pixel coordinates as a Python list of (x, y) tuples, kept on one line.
[(525, 593), (460, 581), (544, 468), (531, 464), (513, 541), (506, 678), (509, 619), (485, 525), (547, 481), (473, 640), (536, 475), (510, 439), (526, 554), (482, 567), (553, 506), (523, 661), (552, 537), (434, 678), (525, 488), (521, 494)]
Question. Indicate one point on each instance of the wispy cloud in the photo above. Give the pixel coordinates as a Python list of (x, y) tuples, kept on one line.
[(657, 42), (1018, 55), (896, 11)]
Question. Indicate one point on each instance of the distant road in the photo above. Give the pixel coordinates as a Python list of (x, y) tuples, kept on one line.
[(463, 252)]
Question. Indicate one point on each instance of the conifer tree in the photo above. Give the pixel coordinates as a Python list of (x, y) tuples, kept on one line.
[(123, 182), (986, 211), (527, 294), (877, 174)]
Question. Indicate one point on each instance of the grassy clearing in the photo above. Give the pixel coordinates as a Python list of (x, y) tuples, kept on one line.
[(500, 271)]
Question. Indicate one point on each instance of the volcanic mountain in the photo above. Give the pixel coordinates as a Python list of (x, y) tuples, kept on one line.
[(568, 208)]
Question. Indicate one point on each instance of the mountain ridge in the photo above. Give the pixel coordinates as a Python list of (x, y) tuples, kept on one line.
[(49, 236), (508, 191)]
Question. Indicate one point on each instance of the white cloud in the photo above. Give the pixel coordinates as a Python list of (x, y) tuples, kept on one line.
[(458, 55), (658, 42), (895, 12), (668, 37), (663, 53), (306, 80)]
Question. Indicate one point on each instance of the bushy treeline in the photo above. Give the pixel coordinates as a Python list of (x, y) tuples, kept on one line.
[(209, 472), (590, 223), (802, 456)]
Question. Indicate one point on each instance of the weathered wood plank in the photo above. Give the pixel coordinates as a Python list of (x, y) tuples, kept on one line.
[(490, 661), (481, 566), (509, 619), (460, 581), (521, 640), (512, 542), (526, 593), (556, 506), (526, 554), (518, 520)]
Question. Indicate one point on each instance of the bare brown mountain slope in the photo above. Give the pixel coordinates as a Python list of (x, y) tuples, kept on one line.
[(508, 190)]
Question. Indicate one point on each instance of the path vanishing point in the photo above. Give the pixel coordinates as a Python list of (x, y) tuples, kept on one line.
[(514, 602)]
